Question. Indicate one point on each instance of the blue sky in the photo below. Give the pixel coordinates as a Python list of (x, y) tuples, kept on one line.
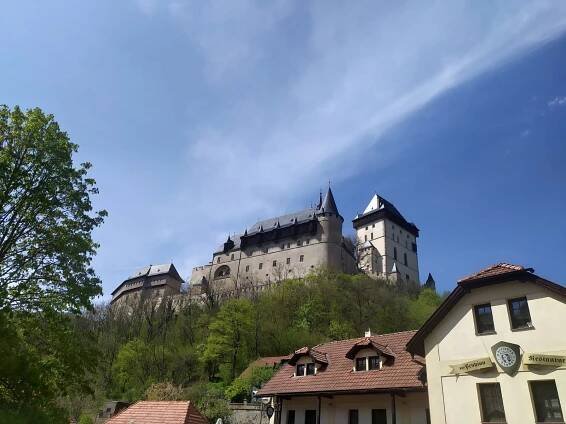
[(201, 117)]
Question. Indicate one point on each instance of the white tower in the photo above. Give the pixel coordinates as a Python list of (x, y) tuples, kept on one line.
[(386, 242)]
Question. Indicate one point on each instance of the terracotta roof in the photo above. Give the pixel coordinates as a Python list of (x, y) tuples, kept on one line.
[(338, 375), (367, 342), (315, 354), (266, 361), (162, 412), (493, 270), (495, 274)]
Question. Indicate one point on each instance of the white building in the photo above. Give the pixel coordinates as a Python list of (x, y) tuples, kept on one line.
[(386, 242), (496, 350)]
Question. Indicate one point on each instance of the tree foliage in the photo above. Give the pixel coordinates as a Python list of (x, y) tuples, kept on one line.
[(46, 249)]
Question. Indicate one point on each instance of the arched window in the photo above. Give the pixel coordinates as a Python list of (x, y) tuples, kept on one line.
[(405, 258), (395, 253), (222, 272)]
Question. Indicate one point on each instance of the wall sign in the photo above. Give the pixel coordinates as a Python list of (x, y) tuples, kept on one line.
[(507, 356), (544, 359), (476, 364)]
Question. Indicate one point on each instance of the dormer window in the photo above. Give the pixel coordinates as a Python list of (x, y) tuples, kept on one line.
[(361, 364), (373, 363), (311, 368), (300, 370)]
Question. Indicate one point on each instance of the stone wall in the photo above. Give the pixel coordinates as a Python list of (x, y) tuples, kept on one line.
[(248, 413)]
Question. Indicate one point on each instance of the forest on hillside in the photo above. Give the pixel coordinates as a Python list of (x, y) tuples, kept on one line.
[(198, 351)]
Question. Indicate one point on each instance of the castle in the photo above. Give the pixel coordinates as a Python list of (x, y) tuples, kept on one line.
[(292, 246)]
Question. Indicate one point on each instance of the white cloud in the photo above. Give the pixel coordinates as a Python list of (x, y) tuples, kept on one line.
[(557, 101), (360, 68)]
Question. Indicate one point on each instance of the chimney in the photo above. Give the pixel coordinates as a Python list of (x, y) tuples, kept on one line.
[(368, 333)]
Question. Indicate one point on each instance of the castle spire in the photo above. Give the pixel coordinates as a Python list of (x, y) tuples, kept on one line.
[(329, 204)]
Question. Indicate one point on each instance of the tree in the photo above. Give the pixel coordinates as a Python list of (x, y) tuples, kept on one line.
[(229, 337), (46, 217), (46, 249)]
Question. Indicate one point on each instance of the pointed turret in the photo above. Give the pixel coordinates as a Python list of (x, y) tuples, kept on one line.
[(329, 204), (430, 283)]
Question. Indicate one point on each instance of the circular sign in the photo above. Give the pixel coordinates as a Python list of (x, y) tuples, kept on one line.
[(269, 411), (505, 356)]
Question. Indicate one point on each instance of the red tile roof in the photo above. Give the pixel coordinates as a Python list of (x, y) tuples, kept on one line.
[(493, 270), (315, 354), (265, 361), (338, 376), (159, 412)]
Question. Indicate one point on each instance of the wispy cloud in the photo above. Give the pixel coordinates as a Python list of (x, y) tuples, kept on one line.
[(295, 112), (557, 101)]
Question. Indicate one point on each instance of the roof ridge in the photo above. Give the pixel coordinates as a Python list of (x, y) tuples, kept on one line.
[(364, 337), (511, 267)]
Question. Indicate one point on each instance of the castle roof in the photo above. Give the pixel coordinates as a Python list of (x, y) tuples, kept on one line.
[(151, 271), (329, 204), (379, 208)]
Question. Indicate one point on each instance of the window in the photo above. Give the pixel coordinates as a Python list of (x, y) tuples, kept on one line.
[(415, 247), (274, 263), (307, 242), (367, 228), (300, 370), (291, 416), (371, 236), (366, 237), (310, 416), (288, 245), (299, 242), (288, 261), (407, 277), (492, 410), (302, 258), (282, 246), (373, 362), (232, 257), (547, 404), (405, 259), (218, 260), (247, 268), (360, 364), (378, 416), (222, 272), (260, 265), (395, 253), (372, 225), (519, 313), (484, 319), (353, 416), (310, 368)]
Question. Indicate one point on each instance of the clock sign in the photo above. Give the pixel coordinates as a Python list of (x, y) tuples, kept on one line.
[(507, 356)]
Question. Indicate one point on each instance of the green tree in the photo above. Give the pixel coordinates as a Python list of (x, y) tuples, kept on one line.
[(46, 249), (229, 338)]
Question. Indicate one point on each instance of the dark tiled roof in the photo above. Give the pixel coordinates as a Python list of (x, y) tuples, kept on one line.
[(329, 204), (151, 271), (495, 274), (338, 376), (162, 412), (386, 209), (368, 342)]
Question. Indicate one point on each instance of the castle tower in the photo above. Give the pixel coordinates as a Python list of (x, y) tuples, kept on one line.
[(330, 219), (386, 242)]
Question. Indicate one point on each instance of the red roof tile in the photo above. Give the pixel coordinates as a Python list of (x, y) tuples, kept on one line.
[(159, 412), (265, 361), (401, 373), (493, 270)]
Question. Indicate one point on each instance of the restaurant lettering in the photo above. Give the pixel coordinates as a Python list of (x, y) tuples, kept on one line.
[(544, 359), (476, 364)]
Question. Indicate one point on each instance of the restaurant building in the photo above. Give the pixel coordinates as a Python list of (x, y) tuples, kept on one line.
[(368, 380), (495, 350)]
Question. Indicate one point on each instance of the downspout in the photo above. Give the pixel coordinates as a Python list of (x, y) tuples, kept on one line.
[(393, 409), (318, 414)]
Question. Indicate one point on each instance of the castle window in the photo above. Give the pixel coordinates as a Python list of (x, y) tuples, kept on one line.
[(371, 236), (222, 272), (218, 260), (260, 265), (366, 237), (307, 242), (274, 263), (372, 225), (395, 253), (367, 228), (415, 247), (407, 277), (288, 245), (232, 257), (282, 246), (299, 243), (405, 258), (247, 268), (302, 258), (288, 261)]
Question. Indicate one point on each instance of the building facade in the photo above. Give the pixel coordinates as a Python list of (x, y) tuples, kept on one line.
[(386, 242), (150, 282), (368, 380), (496, 350), (288, 246)]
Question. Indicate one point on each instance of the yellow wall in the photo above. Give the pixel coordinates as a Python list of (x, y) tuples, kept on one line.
[(454, 399)]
